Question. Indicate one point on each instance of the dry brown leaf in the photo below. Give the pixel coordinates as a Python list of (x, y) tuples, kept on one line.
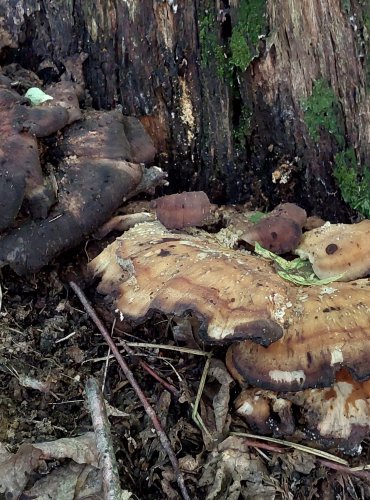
[(228, 467), (77, 481), (15, 469), (81, 449), (221, 399)]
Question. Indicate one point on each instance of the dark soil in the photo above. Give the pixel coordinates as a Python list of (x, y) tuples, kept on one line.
[(46, 335)]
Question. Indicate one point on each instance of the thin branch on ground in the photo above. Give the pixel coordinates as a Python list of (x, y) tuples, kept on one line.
[(307, 449), (107, 459), (130, 377), (363, 474)]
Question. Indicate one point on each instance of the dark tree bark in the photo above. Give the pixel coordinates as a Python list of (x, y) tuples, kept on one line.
[(230, 111)]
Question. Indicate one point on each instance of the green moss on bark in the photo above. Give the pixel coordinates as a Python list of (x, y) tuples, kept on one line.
[(250, 25), (353, 181), (211, 50), (322, 111)]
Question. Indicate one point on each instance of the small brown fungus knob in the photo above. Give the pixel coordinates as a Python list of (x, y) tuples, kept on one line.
[(332, 248), (291, 211), (176, 211), (275, 233)]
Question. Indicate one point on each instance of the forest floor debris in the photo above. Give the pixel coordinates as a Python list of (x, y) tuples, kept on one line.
[(47, 336)]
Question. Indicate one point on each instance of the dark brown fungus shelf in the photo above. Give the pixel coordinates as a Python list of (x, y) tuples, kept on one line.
[(333, 416)]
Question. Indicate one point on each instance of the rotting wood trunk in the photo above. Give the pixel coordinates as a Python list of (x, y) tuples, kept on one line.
[(247, 99)]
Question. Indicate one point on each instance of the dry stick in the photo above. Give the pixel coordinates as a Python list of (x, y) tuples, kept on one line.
[(171, 388), (104, 444), (130, 377), (363, 474)]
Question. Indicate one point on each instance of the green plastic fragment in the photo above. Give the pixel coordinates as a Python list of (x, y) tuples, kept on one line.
[(37, 96)]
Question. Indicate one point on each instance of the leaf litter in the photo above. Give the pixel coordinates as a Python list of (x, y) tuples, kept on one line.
[(47, 441)]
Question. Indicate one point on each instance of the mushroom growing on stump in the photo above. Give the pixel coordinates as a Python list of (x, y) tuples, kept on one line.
[(338, 250), (280, 231), (332, 416), (327, 327), (151, 269)]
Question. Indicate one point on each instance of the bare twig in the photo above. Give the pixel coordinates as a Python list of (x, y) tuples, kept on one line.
[(363, 474), (107, 459), (130, 377), (297, 446), (184, 350), (171, 388)]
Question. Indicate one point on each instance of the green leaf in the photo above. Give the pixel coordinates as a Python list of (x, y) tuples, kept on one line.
[(37, 96), (298, 271), (256, 217)]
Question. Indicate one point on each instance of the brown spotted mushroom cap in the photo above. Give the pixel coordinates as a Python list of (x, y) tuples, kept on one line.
[(151, 269), (277, 233), (327, 328), (338, 249)]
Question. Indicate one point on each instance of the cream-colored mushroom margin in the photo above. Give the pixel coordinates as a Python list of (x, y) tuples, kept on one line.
[(298, 336), (338, 249), (337, 415)]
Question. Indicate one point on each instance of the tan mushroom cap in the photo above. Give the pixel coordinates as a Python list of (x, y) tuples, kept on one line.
[(150, 268), (337, 415), (328, 327), (239, 296), (338, 249)]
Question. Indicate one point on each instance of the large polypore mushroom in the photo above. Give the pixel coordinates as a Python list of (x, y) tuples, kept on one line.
[(239, 296), (333, 416), (94, 177), (151, 269), (338, 250), (326, 328)]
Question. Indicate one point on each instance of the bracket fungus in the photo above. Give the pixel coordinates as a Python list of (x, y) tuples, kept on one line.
[(94, 176), (326, 328), (333, 416), (280, 231), (338, 249), (153, 269)]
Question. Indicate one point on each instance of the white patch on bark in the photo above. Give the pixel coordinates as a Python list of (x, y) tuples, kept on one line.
[(289, 377)]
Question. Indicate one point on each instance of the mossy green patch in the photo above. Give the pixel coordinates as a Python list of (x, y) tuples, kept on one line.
[(250, 25), (243, 128), (322, 111), (353, 181), (212, 52)]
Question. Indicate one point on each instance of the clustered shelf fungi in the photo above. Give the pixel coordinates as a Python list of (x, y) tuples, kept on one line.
[(281, 337), (98, 164)]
